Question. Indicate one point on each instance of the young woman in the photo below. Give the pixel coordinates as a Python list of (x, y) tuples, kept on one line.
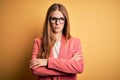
[(57, 55)]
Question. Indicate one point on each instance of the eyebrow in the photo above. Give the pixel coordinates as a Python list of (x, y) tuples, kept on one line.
[(57, 17)]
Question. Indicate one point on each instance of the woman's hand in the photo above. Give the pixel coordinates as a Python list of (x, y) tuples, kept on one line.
[(35, 63), (77, 57)]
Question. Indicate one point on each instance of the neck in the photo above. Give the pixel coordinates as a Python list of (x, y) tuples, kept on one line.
[(58, 36)]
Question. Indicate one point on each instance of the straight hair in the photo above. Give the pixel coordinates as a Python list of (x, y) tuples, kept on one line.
[(48, 38)]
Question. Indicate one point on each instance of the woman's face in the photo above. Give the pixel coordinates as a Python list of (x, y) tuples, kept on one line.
[(57, 21)]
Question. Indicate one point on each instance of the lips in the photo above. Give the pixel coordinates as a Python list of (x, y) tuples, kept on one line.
[(57, 27)]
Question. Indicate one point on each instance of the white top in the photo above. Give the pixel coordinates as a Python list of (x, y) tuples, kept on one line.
[(56, 49)]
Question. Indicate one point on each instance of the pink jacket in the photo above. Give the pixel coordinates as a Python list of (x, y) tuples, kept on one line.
[(61, 68)]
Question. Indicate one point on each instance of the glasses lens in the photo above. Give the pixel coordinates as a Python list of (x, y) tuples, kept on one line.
[(53, 19), (61, 20)]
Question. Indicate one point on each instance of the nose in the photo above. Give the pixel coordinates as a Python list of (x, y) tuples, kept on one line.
[(57, 22)]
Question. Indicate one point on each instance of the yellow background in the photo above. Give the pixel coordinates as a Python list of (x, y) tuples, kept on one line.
[(95, 22)]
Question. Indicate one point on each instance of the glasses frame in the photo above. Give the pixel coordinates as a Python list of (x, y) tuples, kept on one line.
[(55, 19)]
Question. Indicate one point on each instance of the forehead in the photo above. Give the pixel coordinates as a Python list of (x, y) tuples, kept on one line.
[(57, 13)]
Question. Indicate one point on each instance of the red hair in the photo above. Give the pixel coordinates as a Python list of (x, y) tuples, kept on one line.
[(48, 38)]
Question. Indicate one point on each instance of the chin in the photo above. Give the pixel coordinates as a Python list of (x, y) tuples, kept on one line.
[(56, 31)]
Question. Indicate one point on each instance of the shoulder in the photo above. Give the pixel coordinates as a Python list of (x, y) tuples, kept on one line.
[(74, 39), (37, 40)]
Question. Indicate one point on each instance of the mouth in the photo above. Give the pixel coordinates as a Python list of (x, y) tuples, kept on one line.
[(57, 27)]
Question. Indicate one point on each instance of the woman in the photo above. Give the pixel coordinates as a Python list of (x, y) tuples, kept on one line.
[(57, 55)]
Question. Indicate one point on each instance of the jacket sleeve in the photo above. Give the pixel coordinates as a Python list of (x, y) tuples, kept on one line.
[(68, 66), (42, 71)]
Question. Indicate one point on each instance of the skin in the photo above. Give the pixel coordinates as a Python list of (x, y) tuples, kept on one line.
[(57, 28)]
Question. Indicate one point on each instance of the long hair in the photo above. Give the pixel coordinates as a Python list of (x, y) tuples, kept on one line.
[(48, 38)]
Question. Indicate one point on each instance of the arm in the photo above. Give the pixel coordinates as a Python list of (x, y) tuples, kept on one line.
[(42, 71), (68, 66)]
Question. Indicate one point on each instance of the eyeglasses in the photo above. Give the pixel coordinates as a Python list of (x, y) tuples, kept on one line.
[(55, 19)]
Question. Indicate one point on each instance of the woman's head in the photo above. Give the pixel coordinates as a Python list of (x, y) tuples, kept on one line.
[(57, 21)]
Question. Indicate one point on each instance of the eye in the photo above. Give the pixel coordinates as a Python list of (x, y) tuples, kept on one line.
[(53, 18), (62, 18)]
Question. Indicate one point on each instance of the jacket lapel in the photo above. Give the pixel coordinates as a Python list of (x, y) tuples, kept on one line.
[(62, 49)]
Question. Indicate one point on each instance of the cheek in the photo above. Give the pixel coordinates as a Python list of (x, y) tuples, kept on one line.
[(62, 26)]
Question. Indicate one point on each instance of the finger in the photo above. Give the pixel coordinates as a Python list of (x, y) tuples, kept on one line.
[(31, 67), (36, 66), (33, 60), (80, 58), (34, 63), (76, 58), (78, 54)]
